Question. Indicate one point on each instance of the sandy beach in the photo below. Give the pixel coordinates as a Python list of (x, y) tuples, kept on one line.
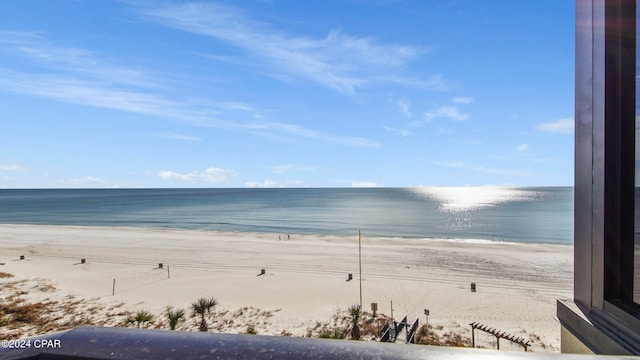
[(305, 281)]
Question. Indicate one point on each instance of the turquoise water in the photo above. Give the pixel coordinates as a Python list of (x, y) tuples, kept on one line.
[(543, 214)]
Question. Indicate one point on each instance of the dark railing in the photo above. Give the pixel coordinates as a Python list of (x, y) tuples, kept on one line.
[(400, 326), (385, 333), (411, 334), (128, 344)]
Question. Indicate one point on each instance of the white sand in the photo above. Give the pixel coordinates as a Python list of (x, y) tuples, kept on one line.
[(517, 284)]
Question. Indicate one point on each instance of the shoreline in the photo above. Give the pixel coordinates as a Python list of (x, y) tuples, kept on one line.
[(482, 241), (305, 277)]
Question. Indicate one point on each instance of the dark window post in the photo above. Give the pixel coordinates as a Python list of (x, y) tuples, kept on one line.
[(619, 161)]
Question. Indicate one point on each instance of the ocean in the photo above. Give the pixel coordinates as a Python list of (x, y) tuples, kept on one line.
[(509, 214)]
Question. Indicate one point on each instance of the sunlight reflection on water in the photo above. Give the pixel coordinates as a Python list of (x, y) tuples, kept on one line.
[(459, 199)]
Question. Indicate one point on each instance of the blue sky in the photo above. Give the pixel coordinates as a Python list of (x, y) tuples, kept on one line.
[(286, 93)]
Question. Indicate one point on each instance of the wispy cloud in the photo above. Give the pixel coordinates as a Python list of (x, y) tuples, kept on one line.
[(447, 112), (469, 142), (522, 147), (33, 50), (337, 61), (12, 167), (175, 136), (405, 107), (450, 112), (87, 181), (313, 134), (211, 175), (233, 106), (280, 169), (398, 131), (452, 164), (79, 77), (92, 93), (364, 184), (275, 184), (93, 182), (506, 172), (563, 126), (484, 169), (465, 100)]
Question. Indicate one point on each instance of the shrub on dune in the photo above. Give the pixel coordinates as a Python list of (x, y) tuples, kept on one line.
[(174, 316), (356, 314), (202, 307), (140, 318)]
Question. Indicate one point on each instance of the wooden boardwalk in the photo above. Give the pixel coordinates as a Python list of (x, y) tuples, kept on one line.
[(499, 335)]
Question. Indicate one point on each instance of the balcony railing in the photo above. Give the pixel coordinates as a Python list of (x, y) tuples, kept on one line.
[(128, 344)]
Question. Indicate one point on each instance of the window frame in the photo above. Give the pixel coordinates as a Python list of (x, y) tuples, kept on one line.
[(605, 162)]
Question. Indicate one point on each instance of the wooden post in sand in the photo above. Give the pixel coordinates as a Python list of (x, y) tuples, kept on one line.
[(360, 265), (168, 274), (113, 290), (473, 336)]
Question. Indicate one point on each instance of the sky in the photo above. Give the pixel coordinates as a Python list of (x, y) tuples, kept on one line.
[(286, 93)]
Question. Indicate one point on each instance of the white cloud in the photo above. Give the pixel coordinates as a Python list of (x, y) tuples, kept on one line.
[(275, 184), (12, 167), (285, 168), (563, 126), (465, 100), (398, 131), (312, 134), (232, 106), (364, 184), (87, 181), (211, 175), (453, 164), (73, 89), (405, 107), (469, 142), (93, 182), (522, 147), (435, 82), (338, 61), (447, 112), (264, 184)]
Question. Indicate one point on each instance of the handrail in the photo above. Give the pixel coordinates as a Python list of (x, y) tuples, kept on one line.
[(128, 344)]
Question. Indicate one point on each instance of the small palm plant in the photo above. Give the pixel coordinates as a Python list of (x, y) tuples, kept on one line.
[(174, 316), (202, 307), (140, 318), (355, 313)]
